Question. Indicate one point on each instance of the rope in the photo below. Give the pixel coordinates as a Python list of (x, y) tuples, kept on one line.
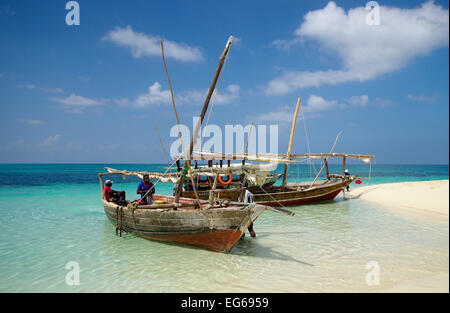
[(271, 197), (331, 151), (173, 100), (179, 129), (162, 144), (307, 141)]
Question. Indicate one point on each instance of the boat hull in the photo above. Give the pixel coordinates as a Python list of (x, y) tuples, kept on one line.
[(294, 194), (216, 229)]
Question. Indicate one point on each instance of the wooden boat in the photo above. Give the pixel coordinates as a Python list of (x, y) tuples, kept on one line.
[(216, 228), (214, 224), (290, 193), (286, 194)]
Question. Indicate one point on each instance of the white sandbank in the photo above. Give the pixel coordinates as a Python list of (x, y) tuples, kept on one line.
[(423, 199)]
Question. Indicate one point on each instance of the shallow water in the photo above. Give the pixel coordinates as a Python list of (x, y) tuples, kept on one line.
[(325, 247)]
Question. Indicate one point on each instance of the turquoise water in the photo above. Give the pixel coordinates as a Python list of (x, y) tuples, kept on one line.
[(51, 214)]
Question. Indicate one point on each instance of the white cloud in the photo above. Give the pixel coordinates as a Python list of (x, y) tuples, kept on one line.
[(77, 104), (231, 93), (283, 115), (317, 104), (148, 45), (156, 95), (366, 52), (359, 101), (421, 98), (34, 87), (50, 140), (286, 44), (30, 121)]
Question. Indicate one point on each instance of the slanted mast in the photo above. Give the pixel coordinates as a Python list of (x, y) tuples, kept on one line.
[(202, 115)]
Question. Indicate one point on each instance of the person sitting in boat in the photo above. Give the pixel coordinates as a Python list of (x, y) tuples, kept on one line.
[(113, 195), (146, 189)]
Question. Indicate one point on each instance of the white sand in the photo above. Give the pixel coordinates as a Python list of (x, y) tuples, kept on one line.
[(431, 284), (425, 199)]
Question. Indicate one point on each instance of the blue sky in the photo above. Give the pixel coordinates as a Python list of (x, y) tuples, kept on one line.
[(90, 93)]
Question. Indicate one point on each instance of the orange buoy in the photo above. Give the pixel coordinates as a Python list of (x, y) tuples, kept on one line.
[(226, 183)]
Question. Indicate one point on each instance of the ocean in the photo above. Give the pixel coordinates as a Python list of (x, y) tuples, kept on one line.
[(51, 215)]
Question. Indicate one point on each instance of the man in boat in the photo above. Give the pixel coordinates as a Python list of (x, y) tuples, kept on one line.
[(146, 189), (113, 195)]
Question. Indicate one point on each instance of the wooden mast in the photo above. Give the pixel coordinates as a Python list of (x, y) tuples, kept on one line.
[(208, 96), (203, 112), (291, 139)]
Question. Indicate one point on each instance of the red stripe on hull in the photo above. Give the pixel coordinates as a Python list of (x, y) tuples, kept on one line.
[(216, 240), (329, 196)]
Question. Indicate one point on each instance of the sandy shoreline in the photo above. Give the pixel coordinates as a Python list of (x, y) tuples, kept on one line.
[(424, 199)]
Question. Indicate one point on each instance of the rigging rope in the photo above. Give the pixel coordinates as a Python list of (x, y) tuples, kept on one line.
[(179, 128), (162, 144), (331, 151), (271, 196), (307, 141)]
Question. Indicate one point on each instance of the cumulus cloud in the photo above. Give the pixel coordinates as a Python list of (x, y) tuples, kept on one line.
[(317, 104), (359, 101), (148, 45), (284, 114), (365, 51), (50, 140), (314, 105), (78, 104), (156, 95)]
